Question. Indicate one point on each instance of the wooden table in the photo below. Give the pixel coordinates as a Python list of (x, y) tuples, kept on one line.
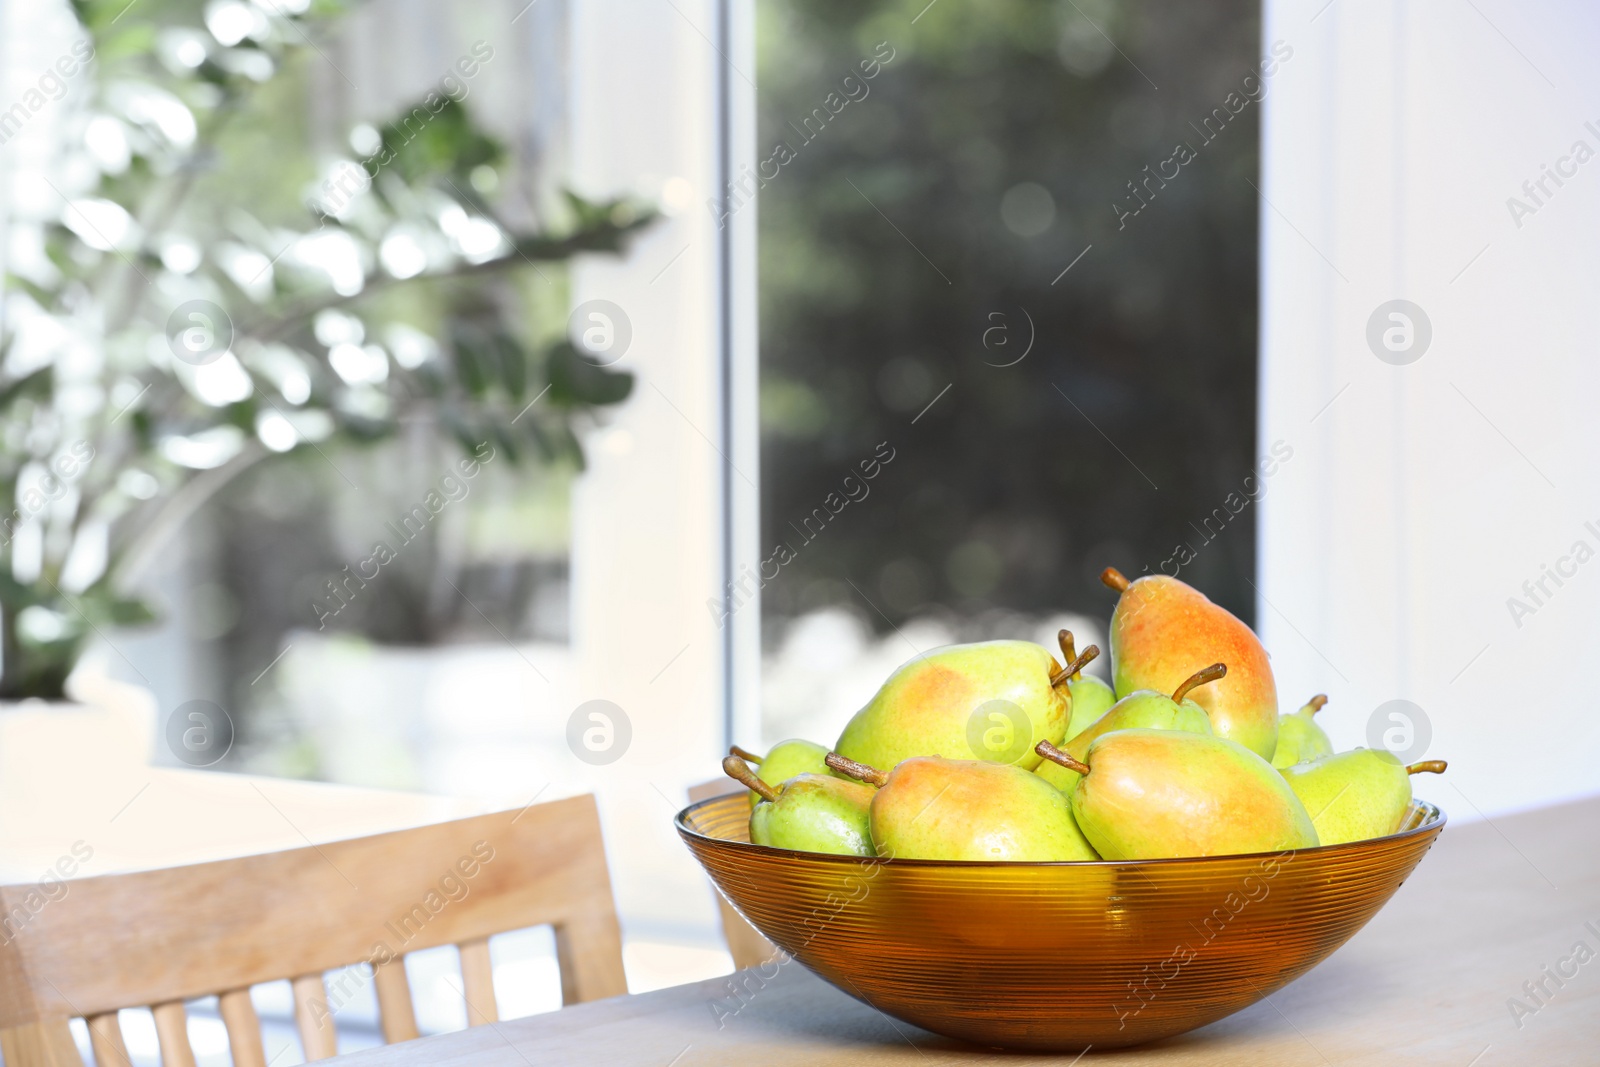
[(78, 783), (1428, 981)]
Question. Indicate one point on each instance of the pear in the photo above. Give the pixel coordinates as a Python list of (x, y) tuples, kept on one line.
[(928, 706), (1356, 795), (783, 761), (1299, 738), (808, 812), (1162, 627), (1141, 709), (1167, 794), (1091, 698), (1088, 697), (945, 809)]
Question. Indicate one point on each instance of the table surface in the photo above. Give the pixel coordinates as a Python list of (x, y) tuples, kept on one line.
[(1430, 980), (78, 782)]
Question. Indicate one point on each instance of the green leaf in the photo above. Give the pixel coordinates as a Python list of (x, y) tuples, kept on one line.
[(132, 38), (431, 375), (36, 385), (577, 382), (144, 429), (504, 441), (534, 428), (572, 447), (242, 414), (17, 596), (473, 357), (361, 428), (42, 296), (601, 226), (437, 141), (513, 364), (129, 611), (464, 434)]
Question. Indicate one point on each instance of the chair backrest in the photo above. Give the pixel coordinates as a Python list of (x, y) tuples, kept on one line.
[(745, 943), (89, 947)]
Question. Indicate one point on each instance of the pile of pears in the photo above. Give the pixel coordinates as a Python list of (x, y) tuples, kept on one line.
[(1186, 755)]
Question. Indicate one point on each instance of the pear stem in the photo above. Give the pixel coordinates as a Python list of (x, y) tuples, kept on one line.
[(740, 771), (1432, 766), (1055, 755), (1069, 647), (1199, 678), (1317, 703), (1113, 578), (859, 771), (1071, 669), (744, 754)]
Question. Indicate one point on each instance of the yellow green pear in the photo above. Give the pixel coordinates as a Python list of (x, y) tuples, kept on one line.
[(1299, 738), (808, 812), (1162, 627), (1356, 795), (992, 700), (946, 809), (783, 761), (1088, 697), (1165, 794), (1141, 709)]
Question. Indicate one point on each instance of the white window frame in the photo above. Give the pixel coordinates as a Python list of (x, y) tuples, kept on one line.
[(666, 519)]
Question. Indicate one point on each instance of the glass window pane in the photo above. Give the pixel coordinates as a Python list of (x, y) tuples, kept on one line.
[(1008, 323)]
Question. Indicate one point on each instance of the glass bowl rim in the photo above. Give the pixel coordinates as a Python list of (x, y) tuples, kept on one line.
[(1434, 820)]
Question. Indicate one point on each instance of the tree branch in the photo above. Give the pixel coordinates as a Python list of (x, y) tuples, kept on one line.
[(527, 250)]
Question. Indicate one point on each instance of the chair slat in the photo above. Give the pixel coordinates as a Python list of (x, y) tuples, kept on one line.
[(477, 976), (105, 1038), (589, 950), (110, 944), (395, 1012), (745, 943), (318, 1038), (44, 1044), (172, 1031), (244, 1028)]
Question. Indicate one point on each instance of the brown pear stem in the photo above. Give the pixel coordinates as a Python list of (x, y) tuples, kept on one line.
[(744, 754), (1317, 703), (859, 771), (1199, 678), (1432, 766), (740, 771), (1069, 647), (1113, 578), (1071, 669), (1066, 759)]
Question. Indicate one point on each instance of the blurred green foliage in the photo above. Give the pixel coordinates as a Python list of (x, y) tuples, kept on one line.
[(212, 293), (910, 223)]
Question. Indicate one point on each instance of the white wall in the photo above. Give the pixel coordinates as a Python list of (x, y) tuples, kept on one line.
[(1422, 496)]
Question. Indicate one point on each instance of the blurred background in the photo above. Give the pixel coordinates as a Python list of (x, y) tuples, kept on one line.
[(997, 515), (392, 393), (920, 286)]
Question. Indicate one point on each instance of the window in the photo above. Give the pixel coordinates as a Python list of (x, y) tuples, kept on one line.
[(1008, 267)]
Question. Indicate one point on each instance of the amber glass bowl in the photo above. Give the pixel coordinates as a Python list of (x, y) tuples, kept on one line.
[(1056, 956)]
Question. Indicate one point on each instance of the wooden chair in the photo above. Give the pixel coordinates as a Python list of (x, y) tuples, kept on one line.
[(745, 943), (159, 938)]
